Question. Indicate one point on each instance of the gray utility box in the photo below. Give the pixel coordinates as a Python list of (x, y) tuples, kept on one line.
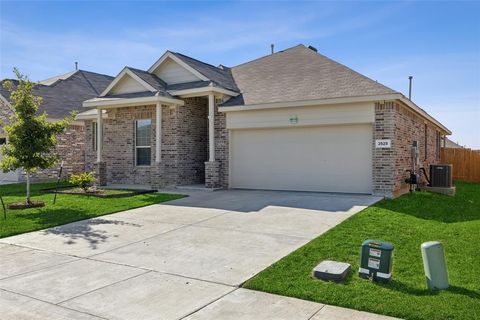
[(331, 270), (376, 260), (434, 265)]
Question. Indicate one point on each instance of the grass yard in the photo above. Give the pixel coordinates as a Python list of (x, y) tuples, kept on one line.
[(68, 208), (406, 222)]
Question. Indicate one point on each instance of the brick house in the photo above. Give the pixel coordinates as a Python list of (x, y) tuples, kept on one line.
[(292, 120), (60, 96)]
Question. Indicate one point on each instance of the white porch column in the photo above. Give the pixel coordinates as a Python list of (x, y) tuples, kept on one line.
[(99, 134), (158, 133), (211, 127)]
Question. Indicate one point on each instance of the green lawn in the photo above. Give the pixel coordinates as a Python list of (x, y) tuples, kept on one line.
[(406, 222), (68, 208)]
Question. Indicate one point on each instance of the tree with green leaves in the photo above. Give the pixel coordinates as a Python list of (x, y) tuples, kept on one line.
[(31, 138)]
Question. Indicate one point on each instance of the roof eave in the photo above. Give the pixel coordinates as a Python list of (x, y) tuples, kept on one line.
[(423, 113), (106, 103), (305, 103), (196, 92)]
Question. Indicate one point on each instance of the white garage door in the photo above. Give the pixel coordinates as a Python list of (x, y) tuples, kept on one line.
[(324, 158)]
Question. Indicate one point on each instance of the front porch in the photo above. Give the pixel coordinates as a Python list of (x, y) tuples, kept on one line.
[(157, 145)]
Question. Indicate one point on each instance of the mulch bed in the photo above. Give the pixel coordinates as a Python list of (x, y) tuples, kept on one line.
[(25, 205), (99, 193)]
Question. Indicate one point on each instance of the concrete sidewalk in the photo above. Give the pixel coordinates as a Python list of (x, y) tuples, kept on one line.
[(183, 259)]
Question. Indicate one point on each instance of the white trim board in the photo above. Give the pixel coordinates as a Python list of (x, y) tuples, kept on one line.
[(105, 103), (121, 75), (375, 98), (170, 55), (201, 92)]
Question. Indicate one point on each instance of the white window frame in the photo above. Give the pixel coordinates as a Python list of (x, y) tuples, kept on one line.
[(143, 147)]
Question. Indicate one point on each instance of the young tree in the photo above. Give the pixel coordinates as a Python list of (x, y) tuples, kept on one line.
[(31, 138)]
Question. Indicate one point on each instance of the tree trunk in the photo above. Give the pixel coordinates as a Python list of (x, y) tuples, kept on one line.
[(28, 187)]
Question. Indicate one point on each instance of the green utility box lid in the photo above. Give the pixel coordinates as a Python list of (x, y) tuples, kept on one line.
[(381, 245), (376, 260)]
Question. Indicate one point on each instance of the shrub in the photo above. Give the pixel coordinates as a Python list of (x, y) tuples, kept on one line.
[(84, 180)]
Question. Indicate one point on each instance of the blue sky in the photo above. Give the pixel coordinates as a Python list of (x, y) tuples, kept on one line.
[(436, 42)]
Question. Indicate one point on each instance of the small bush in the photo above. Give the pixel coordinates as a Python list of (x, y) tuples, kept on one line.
[(84, 180)]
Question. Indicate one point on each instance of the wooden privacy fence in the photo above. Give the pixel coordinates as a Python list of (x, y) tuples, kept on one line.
[(465, 162)]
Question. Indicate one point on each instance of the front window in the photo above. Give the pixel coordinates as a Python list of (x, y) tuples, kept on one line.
[(143, 148)]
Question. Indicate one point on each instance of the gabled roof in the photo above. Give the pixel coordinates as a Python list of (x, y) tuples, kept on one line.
[(299, 73), (220, 76), (66, 94), (152, 80)]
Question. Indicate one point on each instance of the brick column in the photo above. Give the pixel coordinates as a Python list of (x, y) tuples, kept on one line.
[(157, 178), (212, 174), (101, 173), (384, 158)]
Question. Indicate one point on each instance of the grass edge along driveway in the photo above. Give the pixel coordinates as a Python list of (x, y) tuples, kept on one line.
[(407, 222), (68, 208)]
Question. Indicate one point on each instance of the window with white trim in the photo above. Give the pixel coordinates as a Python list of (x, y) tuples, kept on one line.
[(143, 147)]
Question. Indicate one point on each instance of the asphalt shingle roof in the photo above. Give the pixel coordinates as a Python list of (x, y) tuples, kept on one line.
[(188, 85), (299, 73), (220, 76), (66, 95), (157, 83)]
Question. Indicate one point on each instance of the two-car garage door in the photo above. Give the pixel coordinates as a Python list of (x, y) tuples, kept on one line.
[(335, 158)]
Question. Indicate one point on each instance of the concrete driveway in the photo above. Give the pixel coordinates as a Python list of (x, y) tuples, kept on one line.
[(181, 259)]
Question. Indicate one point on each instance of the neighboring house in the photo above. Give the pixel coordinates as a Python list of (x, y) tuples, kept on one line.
[(60, 96), (447, 143), (293, 120)]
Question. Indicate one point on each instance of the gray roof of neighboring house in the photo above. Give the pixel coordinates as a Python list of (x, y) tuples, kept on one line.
[(450, 144), (299, 73), (220, 76), (66, 95)]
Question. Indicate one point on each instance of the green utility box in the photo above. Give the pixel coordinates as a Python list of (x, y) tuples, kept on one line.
[(376, 260)]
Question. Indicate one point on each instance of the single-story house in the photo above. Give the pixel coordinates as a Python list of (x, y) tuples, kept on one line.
[(60, 96), (292, 120), (447, 143)]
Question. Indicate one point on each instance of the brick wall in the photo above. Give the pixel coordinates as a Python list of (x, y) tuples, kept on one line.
[(398, 123), (410, 127), (70, 148), (184, 145), (383, 158), (221, 147)]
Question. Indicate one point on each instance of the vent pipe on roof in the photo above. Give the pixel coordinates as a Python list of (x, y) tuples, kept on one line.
[(76, 65), (271, 47), (312, 48), (410, 87)]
